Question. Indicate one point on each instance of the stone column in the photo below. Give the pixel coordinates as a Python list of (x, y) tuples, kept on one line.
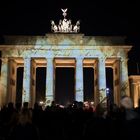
[(124, 83), (4, 82), (49, 81), (12, 81), (79, 80), (33, 83), (135, 94), (96, 98), (116, 82), (102, 81), (138, 94), (26, 80)]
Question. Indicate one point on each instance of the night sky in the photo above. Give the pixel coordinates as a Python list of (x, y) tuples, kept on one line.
[(110, 18)]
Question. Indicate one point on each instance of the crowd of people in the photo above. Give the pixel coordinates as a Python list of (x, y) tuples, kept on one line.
[(67, 123)]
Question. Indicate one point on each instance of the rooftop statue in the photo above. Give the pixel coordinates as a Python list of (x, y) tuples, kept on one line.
[(65, 25)]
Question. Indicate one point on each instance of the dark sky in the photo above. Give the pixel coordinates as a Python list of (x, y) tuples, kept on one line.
[(98, 17)]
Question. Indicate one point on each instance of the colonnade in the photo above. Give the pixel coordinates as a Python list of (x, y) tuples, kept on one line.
[(8, 78)]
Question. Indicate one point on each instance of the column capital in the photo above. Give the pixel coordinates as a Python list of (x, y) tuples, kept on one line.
[(102, 59), (134, 83), (4, 59), (123, 59), (79, 58), (49, 58), (26, 58)]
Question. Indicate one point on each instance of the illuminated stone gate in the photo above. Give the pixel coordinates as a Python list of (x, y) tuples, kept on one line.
[(63, 50)]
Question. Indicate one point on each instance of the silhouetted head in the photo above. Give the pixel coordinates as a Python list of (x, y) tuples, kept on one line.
[(10, 105), (18, 106), (25, 105), (126, 102)]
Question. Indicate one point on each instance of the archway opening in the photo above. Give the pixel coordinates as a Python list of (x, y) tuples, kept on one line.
[(40, 84), (109, 85), (19, 84), (64, 85), (88, 74)]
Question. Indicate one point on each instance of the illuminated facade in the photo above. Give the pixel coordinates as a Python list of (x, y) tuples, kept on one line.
[(63, 50)]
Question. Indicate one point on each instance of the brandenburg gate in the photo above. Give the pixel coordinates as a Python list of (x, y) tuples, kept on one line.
[(63, 48)]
